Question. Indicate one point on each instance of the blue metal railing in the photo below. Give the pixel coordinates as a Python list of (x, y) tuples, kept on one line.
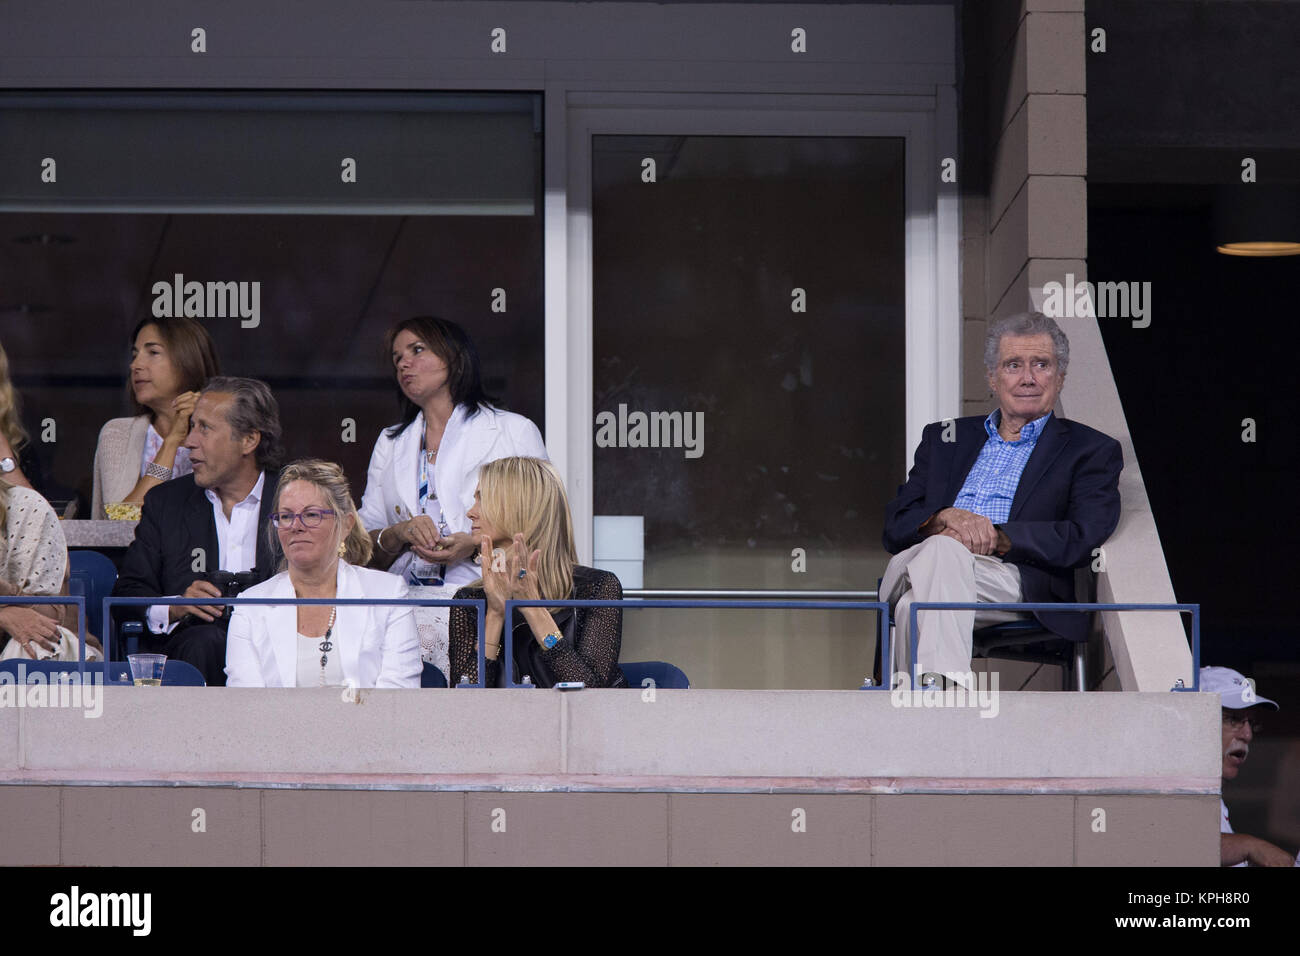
[(880, 607), (479, 603), (1193, 609)]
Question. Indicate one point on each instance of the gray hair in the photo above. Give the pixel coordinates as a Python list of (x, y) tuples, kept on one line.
[(254, 409), (1025, 323)]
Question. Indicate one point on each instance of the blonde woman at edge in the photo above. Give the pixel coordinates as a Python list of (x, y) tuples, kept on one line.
[(522, 524), (325, 546), (12, 434), (34, 561)]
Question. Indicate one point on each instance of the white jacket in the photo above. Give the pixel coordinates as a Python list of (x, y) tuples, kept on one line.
[(392, 482), (377, 643)]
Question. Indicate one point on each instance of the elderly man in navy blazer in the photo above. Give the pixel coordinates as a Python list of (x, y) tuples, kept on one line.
[(1002, 508)]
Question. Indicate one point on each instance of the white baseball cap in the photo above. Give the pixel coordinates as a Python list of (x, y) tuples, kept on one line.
[(1236, 691)]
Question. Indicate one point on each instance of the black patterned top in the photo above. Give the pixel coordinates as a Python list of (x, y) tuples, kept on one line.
[(590, 655)]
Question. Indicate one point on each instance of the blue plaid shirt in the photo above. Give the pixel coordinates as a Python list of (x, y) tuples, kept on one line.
[(990, 487)]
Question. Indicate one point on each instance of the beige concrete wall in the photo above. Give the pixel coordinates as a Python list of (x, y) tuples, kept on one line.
[(198, 734), (280, 777), (1026, 225), (156, 826)]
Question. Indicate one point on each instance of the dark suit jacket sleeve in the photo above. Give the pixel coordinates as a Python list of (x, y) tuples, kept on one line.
[(141, 574), (908, 511), (1091, 515)]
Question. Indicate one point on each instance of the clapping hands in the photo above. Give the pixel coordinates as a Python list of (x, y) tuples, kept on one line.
[(502, 577)]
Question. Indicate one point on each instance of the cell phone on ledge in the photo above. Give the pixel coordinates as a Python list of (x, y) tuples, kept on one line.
[(570, 685)]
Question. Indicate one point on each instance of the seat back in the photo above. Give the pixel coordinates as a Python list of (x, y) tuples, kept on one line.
[(664, 675), (175, 673), (432, 677), (181, 674), (28, 670), (92, 574)]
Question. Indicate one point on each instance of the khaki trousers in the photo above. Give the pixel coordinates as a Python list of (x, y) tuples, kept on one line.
[(942, 569)]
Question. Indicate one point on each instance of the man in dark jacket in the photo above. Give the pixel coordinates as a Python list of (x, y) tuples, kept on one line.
[(1000, 509), (212, 520)]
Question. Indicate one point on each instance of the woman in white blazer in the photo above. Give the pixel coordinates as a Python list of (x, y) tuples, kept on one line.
[(171, 360), (315, 524), (423, 471)]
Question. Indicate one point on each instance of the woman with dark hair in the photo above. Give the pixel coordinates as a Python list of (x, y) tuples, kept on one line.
[(171, 360), (423, 470)]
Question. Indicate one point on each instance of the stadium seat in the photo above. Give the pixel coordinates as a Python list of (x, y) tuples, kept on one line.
[(432, 677), (92, 574), (128, 641), (47, 669), (1027, 640), (175, 673), (663, 674)]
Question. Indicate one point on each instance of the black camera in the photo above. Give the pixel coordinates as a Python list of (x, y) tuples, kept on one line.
[(231, 583)]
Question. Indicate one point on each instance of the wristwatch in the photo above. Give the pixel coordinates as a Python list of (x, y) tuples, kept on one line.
[(550, 640), (7, 465)]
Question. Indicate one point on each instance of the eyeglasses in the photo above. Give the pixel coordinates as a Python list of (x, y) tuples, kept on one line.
[(311, 518), (1234, 720)]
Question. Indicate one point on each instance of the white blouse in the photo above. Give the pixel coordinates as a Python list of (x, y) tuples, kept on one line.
[(153, 443), (35, 552), (310, 673)]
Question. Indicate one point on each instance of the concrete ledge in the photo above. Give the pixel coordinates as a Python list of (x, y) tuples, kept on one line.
[(183, 734), (857, 733), (310, 731), (85, 533), (580, 783), (220, 777)]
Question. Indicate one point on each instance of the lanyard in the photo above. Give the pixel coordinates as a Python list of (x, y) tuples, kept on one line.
[(427, 492)]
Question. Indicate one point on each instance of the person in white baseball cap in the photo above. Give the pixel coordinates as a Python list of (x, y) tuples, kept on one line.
[(1242, 710)]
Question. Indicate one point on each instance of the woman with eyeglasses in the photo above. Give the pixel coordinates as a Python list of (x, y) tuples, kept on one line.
[(315, 525), (423, 470)]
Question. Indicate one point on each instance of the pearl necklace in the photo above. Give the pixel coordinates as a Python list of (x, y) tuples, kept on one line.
[(326, 645)]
